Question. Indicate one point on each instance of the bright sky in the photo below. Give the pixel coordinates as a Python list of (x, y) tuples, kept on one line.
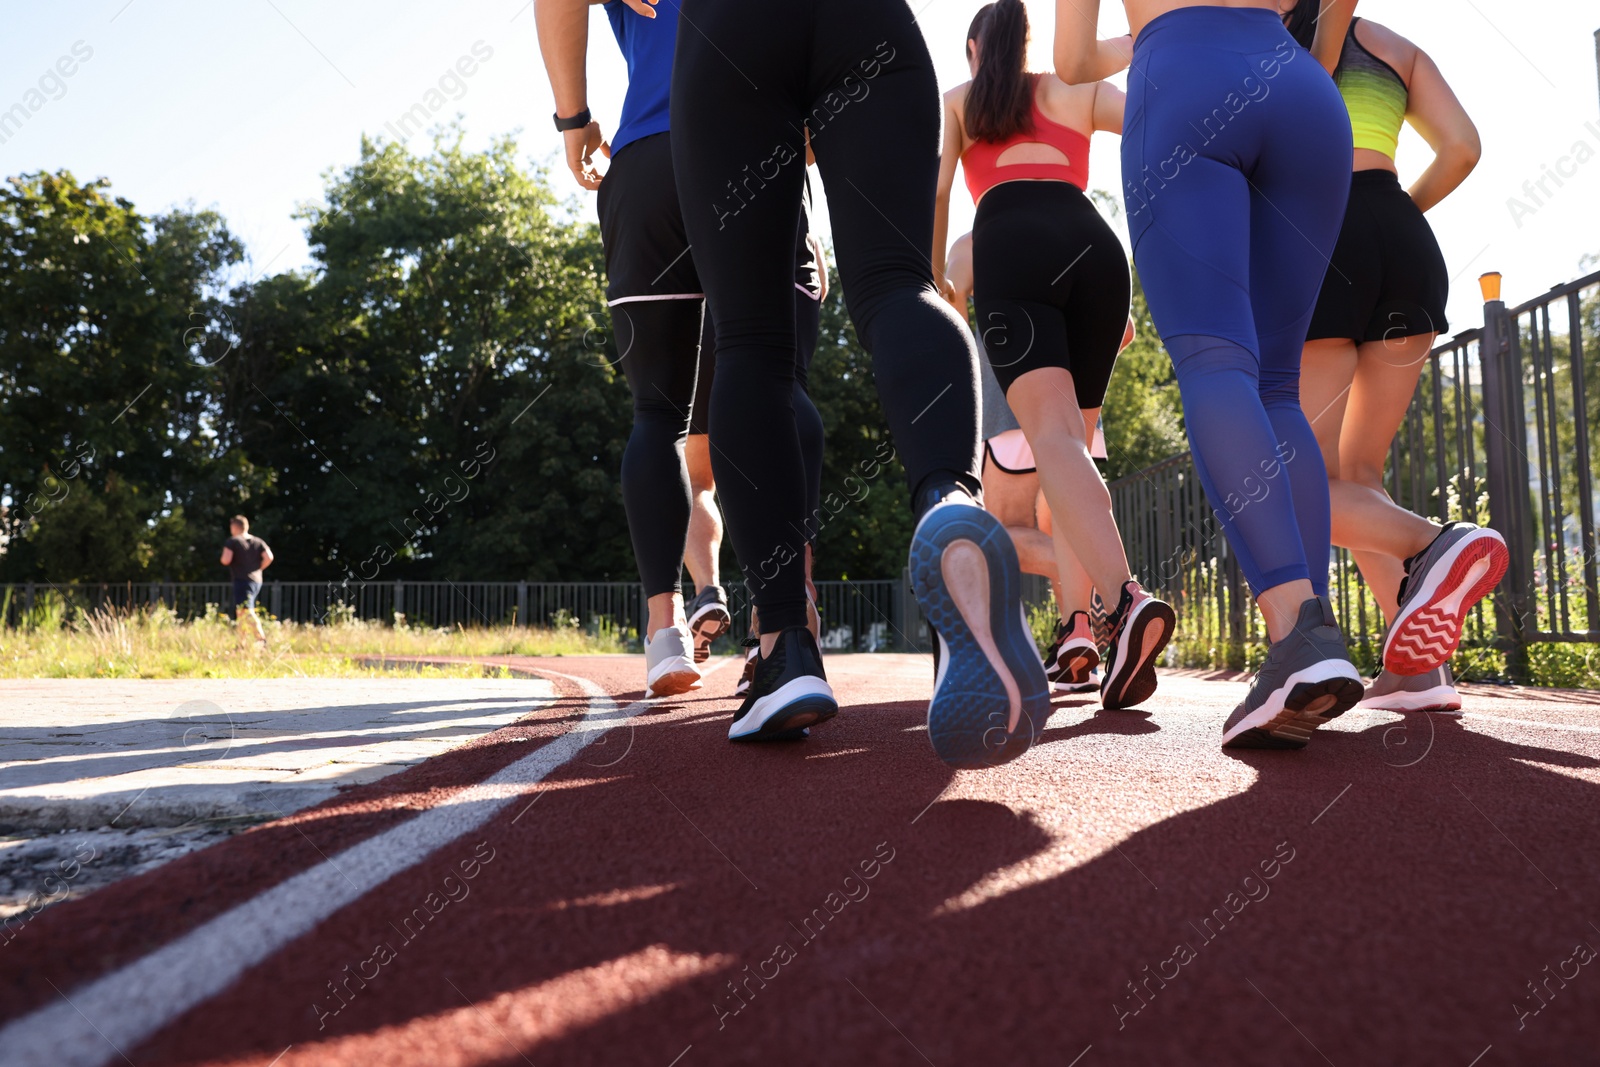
[(243, 106)]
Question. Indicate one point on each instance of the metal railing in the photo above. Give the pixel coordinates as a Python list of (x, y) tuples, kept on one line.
[(1498, 432), (857, 616)]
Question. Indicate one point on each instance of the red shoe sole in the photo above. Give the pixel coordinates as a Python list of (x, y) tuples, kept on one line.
[(1428, 635)]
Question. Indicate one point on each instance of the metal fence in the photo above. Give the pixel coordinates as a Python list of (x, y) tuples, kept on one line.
[(1498, 432), (857, 616)]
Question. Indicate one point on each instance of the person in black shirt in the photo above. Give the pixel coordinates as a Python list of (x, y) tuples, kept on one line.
[(246, 556)]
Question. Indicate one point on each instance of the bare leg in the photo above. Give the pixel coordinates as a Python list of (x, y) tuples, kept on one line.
[(1079, 500), (666, 610), (1355, 399), (1047, 527), (1383, 533), (1010, 498), (704, 545)]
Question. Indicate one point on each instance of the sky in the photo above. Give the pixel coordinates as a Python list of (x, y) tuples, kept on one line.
[(245, 106)]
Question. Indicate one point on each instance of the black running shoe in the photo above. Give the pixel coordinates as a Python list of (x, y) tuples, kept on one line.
[(1140, 628), (789, 691), (709, 619), (1307, 679), (752, 655)]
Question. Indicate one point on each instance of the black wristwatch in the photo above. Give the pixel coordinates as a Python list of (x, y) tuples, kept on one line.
[(576, 122)]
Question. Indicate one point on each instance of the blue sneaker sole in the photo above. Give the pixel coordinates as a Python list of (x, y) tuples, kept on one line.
[(970, 712)]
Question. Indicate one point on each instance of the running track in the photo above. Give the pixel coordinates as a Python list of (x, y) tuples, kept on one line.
[(642, 892)]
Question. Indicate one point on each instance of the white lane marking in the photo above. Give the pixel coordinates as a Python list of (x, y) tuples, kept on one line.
[(1531, 722), (134, 1002)]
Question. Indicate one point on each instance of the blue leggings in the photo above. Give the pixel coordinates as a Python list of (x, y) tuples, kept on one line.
[(1236, 167)]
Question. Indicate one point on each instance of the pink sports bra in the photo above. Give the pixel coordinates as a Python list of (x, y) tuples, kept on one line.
[(981, 161)]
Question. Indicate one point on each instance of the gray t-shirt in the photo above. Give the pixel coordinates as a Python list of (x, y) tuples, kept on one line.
[(997, 416)]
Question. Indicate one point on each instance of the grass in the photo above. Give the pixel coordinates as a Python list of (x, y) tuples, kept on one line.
[(154, 643)]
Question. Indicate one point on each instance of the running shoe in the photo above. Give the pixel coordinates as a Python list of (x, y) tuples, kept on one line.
[(1140, 628), (1072, 660), (709, 619), (1443, 582), (990, 697), (1433, 691), (1306, 680), (668, 662), (789, 692), (752, 653), (1090, 684)]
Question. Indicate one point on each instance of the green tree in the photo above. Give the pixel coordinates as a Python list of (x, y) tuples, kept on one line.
[(109, 452), (436, 399)]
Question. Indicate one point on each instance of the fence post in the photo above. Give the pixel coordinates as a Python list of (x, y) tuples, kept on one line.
[(522, 603), (276, 600), (27, 598), (1505, 431), (399, 599)]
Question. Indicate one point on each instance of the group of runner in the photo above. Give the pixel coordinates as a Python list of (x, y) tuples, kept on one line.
[(1256, 250)]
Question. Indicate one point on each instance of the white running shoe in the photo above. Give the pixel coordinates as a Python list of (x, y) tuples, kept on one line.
[(1434, 691), (669, 663)]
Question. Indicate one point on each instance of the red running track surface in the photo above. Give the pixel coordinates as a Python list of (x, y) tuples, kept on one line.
[(1418, 890)]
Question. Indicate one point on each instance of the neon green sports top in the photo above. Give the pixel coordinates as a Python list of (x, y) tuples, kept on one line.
[(1374, 94)]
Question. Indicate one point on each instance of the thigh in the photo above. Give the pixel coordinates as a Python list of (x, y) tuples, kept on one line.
[(1021, 337), (1326, 371), (1385, 380), (1007, 495), (875, 114), (658, 345), (1095, 314), (705, 378), (738, 148)]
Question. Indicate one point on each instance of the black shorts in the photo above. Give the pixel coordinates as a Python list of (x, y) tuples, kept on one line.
[(641, 227), (1387, 278), (1050, 280)]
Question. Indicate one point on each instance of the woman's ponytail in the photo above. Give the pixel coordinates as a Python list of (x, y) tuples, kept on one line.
[(1000, 103)]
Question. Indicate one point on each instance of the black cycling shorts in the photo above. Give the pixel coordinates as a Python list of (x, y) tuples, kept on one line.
[(1387, 278), (1050, 281)]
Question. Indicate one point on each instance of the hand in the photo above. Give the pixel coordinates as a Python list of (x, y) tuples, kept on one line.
[(947, 290), (581, 145), (647, 8)]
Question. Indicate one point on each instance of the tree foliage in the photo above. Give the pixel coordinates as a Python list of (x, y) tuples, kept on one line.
[(434, 398)]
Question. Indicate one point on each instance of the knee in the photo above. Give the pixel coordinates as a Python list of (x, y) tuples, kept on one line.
[(1197, 355)]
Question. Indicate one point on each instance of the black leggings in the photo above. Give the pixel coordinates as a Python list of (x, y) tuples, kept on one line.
[(807, 419), (857, 74), (656, 345), (1051, 285)]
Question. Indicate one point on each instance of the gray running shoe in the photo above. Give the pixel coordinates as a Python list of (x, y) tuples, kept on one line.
[(669, 670), (1443, 582), (709, 619), (1307, 679), (1434, 691)]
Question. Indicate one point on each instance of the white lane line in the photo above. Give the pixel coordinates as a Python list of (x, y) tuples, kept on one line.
[(1532, 722), (133, 1003)]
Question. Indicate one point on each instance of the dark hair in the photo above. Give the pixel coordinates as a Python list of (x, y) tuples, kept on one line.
[(1000, 102), (241, 522), (1301, 22)]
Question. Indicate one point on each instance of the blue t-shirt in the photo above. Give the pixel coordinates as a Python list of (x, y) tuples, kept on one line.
[(647, 46)]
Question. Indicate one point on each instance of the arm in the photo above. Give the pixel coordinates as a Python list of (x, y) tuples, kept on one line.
[(563, 27), (1075, 43), (1109, 103), (227, 556), (1435, 113), (948, 159), (266, 556), (1332, 25), (959, 271)]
